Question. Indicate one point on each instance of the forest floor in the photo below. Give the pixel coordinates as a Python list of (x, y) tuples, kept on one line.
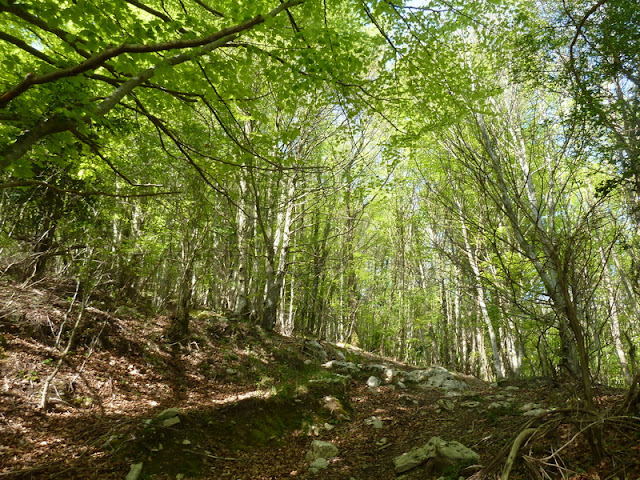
[(251, 403)]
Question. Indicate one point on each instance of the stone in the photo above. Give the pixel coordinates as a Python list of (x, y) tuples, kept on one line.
[(375, 422), (373, 382), (318, 464), (470, 404), (444, 454), (535, 412), (418, 376), (452, 393), (321, 449), (170, 422), (530, 406), (452, 453), (329, 427), (412, 459), (512, 388), (315, 350), (346, 368), (401, 385), (168, 413), (134, 471), (447, 405), (496, 405)]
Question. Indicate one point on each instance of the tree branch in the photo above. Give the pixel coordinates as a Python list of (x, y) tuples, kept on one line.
[(92, 193), (59, 124), (99, 59)]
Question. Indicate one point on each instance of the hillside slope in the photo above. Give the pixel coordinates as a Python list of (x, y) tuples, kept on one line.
[(234, 402)]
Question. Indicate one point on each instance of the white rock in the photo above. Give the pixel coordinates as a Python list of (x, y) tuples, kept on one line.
[(373, 382)]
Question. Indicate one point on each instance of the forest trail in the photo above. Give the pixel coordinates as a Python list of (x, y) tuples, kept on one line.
[(233, 402)]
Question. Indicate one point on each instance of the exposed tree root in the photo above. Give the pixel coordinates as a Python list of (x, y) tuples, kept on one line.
[(587, 423)]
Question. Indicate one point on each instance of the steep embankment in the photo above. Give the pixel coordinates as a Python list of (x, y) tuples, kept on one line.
[(233, 402)]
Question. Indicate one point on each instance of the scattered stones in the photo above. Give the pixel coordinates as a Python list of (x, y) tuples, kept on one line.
[(373, 382), (443, 453), (375, 422), (321, 449)]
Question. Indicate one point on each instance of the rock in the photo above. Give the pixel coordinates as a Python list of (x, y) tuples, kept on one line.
[(168, 413), (135, 471), (318, 464), (333, 405), (452, 393), (447, 405), (530, 406), (412, 459), (313, 348), (329, 427), (321, 449), (444, 454), (452, 453), (512, 388), (170, 422), (401, 385), (446, 381), (231, 371), (535, 412), (374, 382), (418, 376), (346, 368), (496, 405), (470, 404), (375, 422), (383, 371)]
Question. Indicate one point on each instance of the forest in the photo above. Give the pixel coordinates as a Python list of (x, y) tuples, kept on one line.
[(439, 182)]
